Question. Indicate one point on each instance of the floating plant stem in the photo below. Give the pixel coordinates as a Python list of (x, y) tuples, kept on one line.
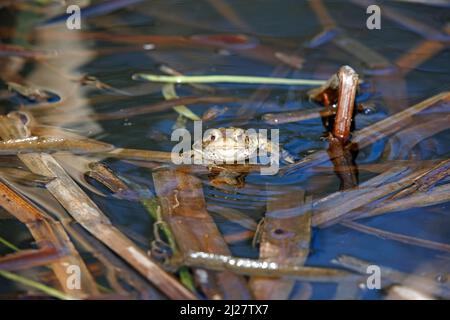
[(227, 79), (169, 93), (264, 268)]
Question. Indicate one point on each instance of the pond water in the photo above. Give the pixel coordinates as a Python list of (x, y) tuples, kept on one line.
[(245, 38)]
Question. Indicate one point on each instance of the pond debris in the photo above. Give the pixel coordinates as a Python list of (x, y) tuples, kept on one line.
[(33, 94), (88, 80), (86, 212), (399, 292), (310, 113), (104, 175), (402, 144), (265, 268), (184, 211), (188, 261), (427, 180), (373, 133), (168, 91), (234, 216), (214, 112), (392, 276), (140, 155), (24, 177), (284, 240), (398, 237), (371, 191), (162, 233), (437, 195), (55, 247), (52, 144), (300, 115), (10, 50)]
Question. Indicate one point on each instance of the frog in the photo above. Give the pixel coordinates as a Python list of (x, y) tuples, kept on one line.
[(232, 146)]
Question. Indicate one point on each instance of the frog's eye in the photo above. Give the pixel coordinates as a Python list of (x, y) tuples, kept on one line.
[(212, 135), (238, 133)]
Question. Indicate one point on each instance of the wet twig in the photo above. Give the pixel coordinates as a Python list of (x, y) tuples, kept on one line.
[(184, 211), (56, 249), (398, 237), (437, 195), (373, 133), (348, 84), (339, 138), (282, 240), (390, 276)]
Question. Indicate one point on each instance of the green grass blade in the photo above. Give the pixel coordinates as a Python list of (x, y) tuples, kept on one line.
[(8, 244), (34, 284), (227, 79), (169, 93)]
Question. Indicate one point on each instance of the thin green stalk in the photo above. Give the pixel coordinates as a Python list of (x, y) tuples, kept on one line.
[(34, 284), (8, 244), (186, 278), (227, 79)]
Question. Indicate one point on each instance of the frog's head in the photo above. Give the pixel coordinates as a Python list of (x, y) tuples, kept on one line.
[(226, 145)]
